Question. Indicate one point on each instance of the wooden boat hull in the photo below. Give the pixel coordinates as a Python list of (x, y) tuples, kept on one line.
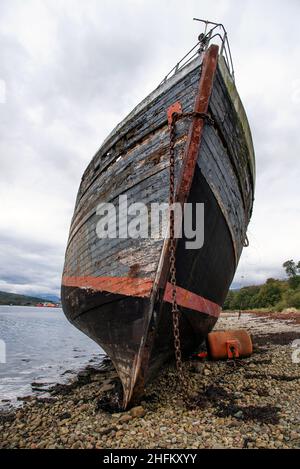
[(117, 291)]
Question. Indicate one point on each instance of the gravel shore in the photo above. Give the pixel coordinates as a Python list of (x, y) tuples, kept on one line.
[(249, 403)]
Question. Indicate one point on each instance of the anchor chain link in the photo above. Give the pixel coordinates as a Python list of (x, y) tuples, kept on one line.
[(172, 240)]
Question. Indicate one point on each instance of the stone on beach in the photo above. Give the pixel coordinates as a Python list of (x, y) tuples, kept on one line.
[(138, 411), (249, 403)]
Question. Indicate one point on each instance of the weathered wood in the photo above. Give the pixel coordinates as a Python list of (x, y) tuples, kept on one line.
[(217, 170), (230, 128), (140, 172), (113, 289), (150, 117)]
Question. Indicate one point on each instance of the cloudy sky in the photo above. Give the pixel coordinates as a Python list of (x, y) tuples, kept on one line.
[(71, 70)]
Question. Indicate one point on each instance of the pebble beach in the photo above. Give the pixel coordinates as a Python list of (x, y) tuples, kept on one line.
[(246, 403)]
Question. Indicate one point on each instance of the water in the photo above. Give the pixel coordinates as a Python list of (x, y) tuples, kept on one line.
[(41, 346)]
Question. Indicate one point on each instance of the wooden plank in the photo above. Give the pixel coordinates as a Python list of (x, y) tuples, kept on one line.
[(149, 120), (231, 129), (142, 173), (216, 168), (190, 300), (121, 285)]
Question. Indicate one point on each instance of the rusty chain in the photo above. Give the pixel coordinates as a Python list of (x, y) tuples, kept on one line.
[(172, 244)]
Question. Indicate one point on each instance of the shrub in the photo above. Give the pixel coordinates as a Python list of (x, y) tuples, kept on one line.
[(294, 300)]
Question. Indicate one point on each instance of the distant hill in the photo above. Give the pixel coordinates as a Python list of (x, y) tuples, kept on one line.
[(47, 297), (20, 300)]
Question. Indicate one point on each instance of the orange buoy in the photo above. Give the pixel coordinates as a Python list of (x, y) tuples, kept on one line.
[(229, 344)]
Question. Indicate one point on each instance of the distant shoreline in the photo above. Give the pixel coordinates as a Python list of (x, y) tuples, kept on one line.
[(14, 299), (33, 306)]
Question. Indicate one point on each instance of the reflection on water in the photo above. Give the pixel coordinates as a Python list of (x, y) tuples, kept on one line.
[(41, 346)]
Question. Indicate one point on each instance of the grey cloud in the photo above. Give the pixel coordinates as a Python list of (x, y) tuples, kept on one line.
[(75, 69), (28, 266)]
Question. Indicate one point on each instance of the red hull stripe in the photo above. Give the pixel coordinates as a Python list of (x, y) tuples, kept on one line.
[(129, 286), (190, 300), (141, 287)]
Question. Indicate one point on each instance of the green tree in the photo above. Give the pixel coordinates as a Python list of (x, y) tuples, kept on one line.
[(294, 300), (294, 282), (229, 300), (274, 294), (291, 268), (269, 293), (243, 298)]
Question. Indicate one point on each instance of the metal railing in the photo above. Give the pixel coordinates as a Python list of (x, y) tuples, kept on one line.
[(212, 31)]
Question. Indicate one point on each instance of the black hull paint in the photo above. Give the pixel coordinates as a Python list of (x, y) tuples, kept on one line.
[(122, 320), (135, 327)]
